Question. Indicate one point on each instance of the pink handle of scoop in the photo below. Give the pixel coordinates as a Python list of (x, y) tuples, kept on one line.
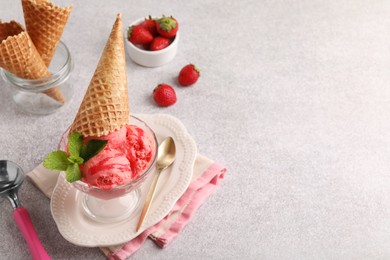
[(22, 218)]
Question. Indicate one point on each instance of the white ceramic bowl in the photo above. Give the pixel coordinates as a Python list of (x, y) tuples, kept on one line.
[(151, 58)]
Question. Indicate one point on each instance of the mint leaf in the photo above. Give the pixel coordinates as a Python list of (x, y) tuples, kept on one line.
[(83, 151), (92, 148), (75, 159), (79, 154), (56, 161), (73, 173), (75, 143)]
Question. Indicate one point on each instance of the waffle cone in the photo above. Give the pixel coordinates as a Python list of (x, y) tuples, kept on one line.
[(45, 23), (105, 106), (19, 56)]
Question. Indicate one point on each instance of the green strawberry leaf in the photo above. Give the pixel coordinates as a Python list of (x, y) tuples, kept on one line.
[(56, 161), (92, 148), (167, 23), (129, 30), (73, 173)]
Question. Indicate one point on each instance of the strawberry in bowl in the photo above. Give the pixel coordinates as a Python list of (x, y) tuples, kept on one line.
[(167, 26), (152, 42)]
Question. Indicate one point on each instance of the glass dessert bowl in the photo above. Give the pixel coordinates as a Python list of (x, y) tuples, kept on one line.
[(114, 203)]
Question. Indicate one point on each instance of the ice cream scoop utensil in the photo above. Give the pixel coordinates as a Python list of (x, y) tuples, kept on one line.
[(11, 177), (165, 157)]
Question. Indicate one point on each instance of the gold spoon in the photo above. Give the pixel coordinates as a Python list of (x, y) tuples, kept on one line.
[(166, 156)]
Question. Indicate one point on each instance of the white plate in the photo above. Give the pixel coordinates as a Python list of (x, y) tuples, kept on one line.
[(78, 229)]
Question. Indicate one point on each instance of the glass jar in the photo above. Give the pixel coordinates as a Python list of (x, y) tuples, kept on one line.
[(45, 95)]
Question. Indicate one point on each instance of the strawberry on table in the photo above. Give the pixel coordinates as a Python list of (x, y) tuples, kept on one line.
[(164, 95), (159, 43), (167, 26), (137, 34), (150, 25), (188, 75)]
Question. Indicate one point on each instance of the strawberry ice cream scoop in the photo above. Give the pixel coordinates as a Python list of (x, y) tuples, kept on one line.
[(127, 154)]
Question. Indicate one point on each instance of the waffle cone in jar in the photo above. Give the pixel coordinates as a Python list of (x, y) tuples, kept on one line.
[(19, 56), (45, 23), (105, 106)]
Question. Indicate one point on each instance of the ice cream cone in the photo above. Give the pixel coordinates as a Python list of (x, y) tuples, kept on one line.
[(19, 56), (105, 106), (45, 24)]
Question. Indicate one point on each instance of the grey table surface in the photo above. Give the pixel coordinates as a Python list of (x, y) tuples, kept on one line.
[(294, 99)]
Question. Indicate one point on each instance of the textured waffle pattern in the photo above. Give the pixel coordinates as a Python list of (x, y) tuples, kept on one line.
[(19, 56), (105, 106), (45, 23), (7, 29)]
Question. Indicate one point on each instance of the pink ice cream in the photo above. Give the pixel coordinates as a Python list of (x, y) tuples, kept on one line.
[(126, 156)]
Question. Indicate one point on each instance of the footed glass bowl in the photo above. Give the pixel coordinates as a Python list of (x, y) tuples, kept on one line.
[(118, 203)]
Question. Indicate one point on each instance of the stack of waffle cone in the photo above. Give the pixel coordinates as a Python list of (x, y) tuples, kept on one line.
[(19, 56), (105, 106), (45, 23)]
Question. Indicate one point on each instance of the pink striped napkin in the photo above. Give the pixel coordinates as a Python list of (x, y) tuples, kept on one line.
[(206, 177)]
